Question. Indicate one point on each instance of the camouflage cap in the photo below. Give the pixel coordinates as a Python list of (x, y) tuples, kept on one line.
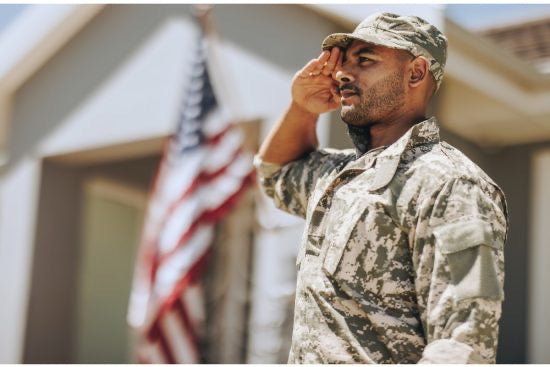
[(408, 33)]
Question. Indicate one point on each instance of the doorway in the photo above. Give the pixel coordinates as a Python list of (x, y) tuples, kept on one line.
[(88, 228)]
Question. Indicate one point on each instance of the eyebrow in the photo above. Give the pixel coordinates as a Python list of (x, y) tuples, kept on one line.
[(365, 50)]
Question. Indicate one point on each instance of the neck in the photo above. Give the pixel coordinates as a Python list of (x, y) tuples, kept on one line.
[(360, 137), (376, 135)]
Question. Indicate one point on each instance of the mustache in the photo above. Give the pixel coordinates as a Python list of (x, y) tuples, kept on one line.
[(349, 87)]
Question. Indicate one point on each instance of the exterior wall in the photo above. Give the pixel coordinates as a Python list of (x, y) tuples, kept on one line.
[(511, 169), (18, 199), (49, 317), (539, 292)]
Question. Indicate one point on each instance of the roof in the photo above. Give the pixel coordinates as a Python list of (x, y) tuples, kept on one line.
[(35, 36), (529, 40)]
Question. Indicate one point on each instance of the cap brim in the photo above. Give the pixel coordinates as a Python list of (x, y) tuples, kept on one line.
[(343, 40)]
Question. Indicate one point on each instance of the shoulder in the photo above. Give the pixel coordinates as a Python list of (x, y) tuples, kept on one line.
[(332, 154), (444, 169), (327, 159), (444, 163)]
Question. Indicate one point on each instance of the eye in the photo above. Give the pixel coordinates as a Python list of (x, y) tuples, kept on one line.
[(363, 59)]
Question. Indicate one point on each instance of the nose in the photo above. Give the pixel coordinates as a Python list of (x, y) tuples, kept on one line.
[(343, 76)]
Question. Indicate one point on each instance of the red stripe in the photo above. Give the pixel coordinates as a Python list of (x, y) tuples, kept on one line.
[(215, 139), (161, 168), (142, 359), (147, 249), (209, 216), (193, 273), (156, 334), (186, 324), (202, 178), (191, 276)]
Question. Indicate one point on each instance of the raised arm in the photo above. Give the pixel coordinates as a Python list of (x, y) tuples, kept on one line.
[(314, 91)]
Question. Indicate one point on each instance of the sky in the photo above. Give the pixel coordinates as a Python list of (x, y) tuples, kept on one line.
[(471, 16), (479, 16), (8, 12)]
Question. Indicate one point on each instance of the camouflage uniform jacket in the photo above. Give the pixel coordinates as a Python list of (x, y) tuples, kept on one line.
[(401, 260)]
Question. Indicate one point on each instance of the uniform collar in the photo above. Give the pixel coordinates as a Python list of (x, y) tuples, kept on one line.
[(422, 133)]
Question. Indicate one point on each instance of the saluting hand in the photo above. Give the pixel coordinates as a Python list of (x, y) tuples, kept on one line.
[(314, 88)]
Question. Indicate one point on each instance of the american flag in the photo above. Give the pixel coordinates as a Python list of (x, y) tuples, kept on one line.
[(203, 172)]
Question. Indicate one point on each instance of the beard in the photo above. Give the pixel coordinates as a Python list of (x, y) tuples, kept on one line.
[(376, 103), (360, 137)]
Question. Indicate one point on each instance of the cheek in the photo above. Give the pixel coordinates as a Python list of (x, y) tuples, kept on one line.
[(369, 79)]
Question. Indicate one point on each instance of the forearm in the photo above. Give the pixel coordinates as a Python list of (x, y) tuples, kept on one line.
[(291, 137)]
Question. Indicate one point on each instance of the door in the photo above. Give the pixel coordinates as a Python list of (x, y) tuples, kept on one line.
[(112, 220)]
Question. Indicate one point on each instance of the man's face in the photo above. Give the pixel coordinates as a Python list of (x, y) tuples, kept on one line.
[(371, 82)]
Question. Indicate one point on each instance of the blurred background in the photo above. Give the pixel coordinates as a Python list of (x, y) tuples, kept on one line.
[(89, 94)]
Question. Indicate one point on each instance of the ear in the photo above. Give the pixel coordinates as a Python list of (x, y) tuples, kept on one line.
[(419, 72)]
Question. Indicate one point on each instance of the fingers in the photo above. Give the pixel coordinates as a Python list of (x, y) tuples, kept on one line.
[(331, 62), (335, 93), (338, 65), (315, 66), (324, 64)]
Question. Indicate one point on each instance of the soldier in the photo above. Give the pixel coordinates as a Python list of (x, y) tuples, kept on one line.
[(401, 260)]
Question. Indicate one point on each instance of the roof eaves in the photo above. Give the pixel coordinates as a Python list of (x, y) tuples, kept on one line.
[(35, 36), (516, 23), (486, 51)]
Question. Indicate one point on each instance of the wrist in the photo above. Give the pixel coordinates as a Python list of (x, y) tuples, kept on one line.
[(304, 114)]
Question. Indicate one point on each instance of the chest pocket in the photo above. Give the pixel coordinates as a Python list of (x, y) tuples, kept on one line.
[(344, 218), (368, 252)]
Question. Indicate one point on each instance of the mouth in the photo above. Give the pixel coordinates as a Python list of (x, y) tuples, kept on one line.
[(346, 96), (347, 92)]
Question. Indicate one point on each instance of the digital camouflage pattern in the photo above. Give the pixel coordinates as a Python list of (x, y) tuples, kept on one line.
[(401, 259), (408, 33)]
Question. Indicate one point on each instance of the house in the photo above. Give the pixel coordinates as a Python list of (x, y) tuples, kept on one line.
[(90, 92)]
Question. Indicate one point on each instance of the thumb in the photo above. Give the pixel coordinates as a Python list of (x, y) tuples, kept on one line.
[(335, 94)]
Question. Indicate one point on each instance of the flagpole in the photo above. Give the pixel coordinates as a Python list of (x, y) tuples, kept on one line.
[(219, 77), (202, 14)]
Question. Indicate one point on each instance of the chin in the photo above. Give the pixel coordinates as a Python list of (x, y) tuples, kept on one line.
[(351, 116), (347, 113)]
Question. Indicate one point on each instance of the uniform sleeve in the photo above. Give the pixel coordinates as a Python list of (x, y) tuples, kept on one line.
[(291, 185), (459, 268)]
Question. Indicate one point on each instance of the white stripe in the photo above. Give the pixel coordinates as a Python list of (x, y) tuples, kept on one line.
[(180, 344), (177, 265), (216, 121), (137, 310), (175, 180), (208, 158), (193, 299), (178, 178), (207, 197), (220, 154), (153, 352)]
